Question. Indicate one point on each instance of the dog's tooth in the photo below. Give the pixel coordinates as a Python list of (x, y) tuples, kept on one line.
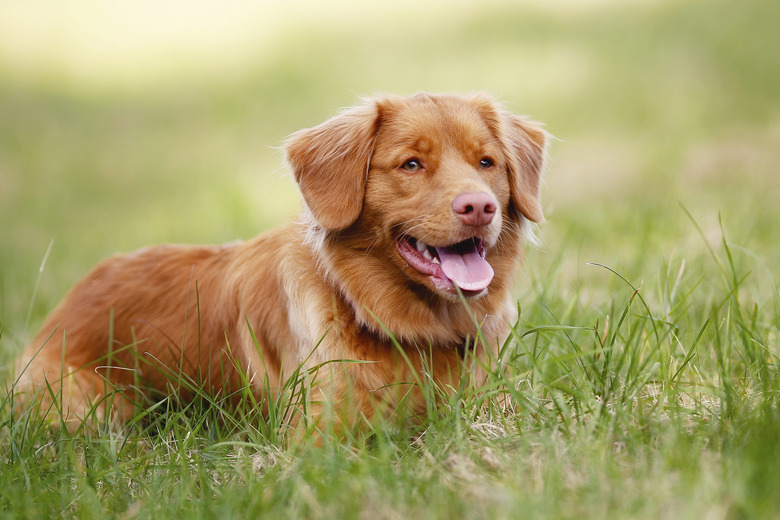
[(427, 254), (421, 246), (436, 260)]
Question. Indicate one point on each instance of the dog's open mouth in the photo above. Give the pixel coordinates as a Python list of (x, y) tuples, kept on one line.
[(461, 265)]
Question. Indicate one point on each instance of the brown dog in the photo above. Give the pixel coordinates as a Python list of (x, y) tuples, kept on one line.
[(408, 245)]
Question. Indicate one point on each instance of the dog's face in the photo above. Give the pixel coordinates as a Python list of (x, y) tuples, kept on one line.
[(436, 183)]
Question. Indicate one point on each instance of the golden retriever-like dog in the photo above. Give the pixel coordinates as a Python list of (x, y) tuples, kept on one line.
[(415, 212)]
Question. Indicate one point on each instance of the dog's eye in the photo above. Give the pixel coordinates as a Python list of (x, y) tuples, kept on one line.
[(412, 165), (486, 163)]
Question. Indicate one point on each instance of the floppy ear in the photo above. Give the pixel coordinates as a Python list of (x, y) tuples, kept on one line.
[(330, 163), (526, 144)]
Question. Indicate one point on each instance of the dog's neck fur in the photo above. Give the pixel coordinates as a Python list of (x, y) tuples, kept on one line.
[(426, 318)]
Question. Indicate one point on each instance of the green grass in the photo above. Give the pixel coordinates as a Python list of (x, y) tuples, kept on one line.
[(644, 364)]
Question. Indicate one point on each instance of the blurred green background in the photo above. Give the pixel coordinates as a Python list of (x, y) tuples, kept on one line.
[(128, 125)]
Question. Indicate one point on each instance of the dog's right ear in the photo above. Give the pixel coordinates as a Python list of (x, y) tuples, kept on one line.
[(330, 163)]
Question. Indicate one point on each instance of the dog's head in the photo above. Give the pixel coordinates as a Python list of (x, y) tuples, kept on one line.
[(440, 182)]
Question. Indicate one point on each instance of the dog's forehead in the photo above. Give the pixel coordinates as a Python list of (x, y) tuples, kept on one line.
[(431, 121)]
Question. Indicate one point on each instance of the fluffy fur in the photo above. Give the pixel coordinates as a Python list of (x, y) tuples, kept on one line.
[(377, 180)]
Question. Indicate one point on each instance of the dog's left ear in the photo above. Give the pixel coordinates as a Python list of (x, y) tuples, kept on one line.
[(526, 143), (330, 163)]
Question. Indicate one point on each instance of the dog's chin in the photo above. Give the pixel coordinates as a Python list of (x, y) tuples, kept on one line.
[(452, 271)]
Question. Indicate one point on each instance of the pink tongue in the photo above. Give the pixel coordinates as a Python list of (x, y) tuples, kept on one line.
[(468, 270)]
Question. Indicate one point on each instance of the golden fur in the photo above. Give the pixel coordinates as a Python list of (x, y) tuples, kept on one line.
[(336, 280)]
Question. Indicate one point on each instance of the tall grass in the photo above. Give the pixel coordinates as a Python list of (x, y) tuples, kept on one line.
[(661, 403)]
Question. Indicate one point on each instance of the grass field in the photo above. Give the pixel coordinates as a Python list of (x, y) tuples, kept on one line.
[(645, 361)]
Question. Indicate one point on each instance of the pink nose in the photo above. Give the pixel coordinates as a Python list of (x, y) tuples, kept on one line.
[(475, 209)]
